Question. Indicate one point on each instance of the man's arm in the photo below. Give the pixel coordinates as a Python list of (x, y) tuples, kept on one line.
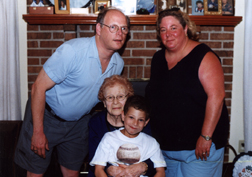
[(39, 141)]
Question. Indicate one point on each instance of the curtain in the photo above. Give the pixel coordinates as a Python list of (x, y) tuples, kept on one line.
[(248, 77), (10, 108)]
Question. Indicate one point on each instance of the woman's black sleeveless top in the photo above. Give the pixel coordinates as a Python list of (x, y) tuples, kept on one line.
[(178, 102)]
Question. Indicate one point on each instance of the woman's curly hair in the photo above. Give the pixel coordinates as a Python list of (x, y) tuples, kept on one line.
[(183, 19), (113, 80)]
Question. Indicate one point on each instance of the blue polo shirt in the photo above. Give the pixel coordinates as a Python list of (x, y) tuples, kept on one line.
[(76, 69)]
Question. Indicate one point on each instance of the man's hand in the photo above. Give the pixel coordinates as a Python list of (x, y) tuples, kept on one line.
[(39, 144)]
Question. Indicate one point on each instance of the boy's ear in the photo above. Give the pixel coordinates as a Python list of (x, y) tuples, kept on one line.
[(146, 122)]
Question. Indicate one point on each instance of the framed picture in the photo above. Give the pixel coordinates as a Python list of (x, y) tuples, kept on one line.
[(99, 5), (161, 5), (227, 7), (197, 7), (128, 7), (182, 4), (149, 5), (212, 7), (62, 6)]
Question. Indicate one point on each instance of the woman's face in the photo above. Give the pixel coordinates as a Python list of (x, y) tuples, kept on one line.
[(115, 107), (172, 33)]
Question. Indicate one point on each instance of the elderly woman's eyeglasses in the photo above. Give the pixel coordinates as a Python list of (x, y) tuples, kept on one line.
[(111, 98), (115, 28)]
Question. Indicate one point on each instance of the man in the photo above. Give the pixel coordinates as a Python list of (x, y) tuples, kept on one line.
[(212, 6), (63, 94), (226, 7)]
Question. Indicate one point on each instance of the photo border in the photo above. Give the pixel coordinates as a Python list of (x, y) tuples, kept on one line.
[(194, 7), (186, 8), (128, 7), (57, 11), (206, 12), (96, 5), (232, 9), (162, 5)]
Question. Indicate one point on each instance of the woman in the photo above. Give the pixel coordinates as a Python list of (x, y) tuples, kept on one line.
[(113, 93), (186, 94), (226, 7), (212, 5), (62, 5)]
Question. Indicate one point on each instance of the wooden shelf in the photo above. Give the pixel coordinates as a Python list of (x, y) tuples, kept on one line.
[(37, 19)]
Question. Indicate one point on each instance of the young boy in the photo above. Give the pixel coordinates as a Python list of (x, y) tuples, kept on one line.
[(200, 7), (129, 145)]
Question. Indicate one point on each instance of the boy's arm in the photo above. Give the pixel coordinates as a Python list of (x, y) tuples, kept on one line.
[(160, 172), (150, 170), (99, 171)]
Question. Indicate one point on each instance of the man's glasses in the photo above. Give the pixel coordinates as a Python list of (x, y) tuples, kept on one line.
[(111, 98), (115, 28)]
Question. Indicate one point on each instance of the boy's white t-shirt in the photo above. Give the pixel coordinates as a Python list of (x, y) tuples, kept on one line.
[(115, 147)]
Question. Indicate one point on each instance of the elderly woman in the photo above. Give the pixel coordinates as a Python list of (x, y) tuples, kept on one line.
[(186, 94), (113, 93)]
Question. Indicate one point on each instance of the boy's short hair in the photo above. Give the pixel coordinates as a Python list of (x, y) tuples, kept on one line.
[(137, 102), (197, 2)]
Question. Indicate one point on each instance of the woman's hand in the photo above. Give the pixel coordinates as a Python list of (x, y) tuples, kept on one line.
[(133, 170), (202, 150), (114, 170)]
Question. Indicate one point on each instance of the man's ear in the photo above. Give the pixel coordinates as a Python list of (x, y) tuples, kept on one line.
[(98, 29)]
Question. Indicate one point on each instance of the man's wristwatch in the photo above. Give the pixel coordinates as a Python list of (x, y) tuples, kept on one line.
[(207, 138)]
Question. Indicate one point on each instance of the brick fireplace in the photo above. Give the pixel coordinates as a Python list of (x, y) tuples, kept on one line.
[(137, 54)]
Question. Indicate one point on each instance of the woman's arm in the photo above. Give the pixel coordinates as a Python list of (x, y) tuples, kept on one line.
[(212, 79), (95, 135), (137, 169)]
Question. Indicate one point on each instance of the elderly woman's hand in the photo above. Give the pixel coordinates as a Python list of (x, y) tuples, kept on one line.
[(133, 170), (114, 170)]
